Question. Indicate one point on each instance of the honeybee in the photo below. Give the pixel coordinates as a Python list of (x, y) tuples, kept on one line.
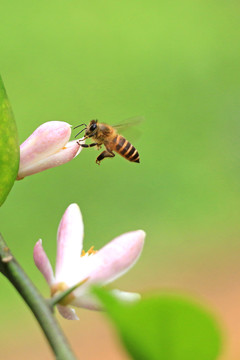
[(104, 134)]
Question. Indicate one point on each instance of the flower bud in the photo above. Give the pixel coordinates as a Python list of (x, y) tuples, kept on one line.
[(47, 147)]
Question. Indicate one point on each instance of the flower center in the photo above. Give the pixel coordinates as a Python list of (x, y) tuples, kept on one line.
[(89, 252), (60, 287)]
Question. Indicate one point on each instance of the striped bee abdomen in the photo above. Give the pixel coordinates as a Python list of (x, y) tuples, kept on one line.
[(125, 148)]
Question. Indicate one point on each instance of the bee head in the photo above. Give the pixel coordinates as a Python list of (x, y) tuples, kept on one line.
[(91, 128)]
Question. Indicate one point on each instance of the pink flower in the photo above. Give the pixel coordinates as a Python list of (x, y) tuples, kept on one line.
[(47, 147), (96, 267)]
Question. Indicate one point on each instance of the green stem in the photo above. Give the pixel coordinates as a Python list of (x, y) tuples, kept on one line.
[(39, 306)]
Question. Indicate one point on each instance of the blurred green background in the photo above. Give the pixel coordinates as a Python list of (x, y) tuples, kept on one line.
[(175, 63)]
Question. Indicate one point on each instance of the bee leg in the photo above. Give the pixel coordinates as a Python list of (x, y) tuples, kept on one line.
[(103, 155), (86, 145)]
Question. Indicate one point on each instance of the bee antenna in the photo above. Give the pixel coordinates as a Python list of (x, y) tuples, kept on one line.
[(80, 131), (79, 125)]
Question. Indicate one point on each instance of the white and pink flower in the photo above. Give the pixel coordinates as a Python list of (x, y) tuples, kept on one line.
[(74, 266), (47, 147)]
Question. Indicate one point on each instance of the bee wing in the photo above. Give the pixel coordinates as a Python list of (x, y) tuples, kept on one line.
[(133, 121), (129, 127)]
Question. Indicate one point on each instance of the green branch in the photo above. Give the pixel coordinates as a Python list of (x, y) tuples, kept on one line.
[(38, 305)]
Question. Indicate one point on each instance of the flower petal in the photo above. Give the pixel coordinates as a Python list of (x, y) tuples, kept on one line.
[(42, 262), (36, 153), (112, 261), (69, 244), (64, 155), (47, 139), (126, 297), (89, 301), (67, 312)]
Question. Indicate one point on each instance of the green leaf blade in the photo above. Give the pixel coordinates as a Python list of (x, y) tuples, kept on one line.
[(164, 327), (9, 147)]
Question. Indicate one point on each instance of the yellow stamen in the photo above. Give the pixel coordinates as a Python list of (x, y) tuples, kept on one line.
[(83, 253), (89, 252)]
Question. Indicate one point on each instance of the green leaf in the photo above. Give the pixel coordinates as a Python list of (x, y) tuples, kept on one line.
[(164, 327), (9, 147)]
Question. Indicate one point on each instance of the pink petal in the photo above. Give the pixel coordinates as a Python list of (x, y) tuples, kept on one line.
[(90, 302), (42, 262), (69, 243), (49, 139), (113, 260), (67, 312), (126, 297), (87, 301), (64, 155)]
